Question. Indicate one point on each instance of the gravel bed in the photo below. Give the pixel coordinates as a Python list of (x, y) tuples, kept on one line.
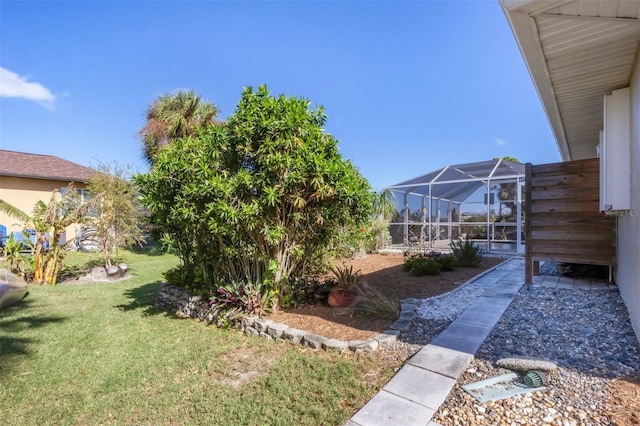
[(587, 333), (436, 313)]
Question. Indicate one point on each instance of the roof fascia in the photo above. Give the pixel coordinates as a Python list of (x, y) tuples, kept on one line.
[(56, 178), (525, 31)]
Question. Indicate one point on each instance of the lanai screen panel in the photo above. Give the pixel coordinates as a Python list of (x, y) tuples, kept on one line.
[(429, 206)]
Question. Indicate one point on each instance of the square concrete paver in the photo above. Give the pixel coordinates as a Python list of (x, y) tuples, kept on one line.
[(387, 409), (421, 386), (463, 337), (491, 303), (481, 316), (442, 361)]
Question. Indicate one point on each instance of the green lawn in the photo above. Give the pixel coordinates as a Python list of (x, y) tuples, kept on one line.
[(101, 354)]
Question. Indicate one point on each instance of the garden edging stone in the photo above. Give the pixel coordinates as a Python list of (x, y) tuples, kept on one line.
[(176, 299)]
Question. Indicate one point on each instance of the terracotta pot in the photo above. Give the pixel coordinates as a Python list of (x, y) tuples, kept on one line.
[(339, 298)]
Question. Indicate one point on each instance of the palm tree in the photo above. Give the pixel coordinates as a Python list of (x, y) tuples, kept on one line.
[(384, 205), (171, 117)]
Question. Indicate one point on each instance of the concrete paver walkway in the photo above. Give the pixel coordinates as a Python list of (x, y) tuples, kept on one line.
[(418, 389)]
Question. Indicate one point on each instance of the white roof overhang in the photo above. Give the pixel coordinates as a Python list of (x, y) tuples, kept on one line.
[(576, 52)]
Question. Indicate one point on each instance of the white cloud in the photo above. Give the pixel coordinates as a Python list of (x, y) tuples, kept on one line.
[(14, 86), (501, 142)]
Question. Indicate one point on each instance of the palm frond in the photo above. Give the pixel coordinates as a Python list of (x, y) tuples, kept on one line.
[(14, 212), (171, 117)]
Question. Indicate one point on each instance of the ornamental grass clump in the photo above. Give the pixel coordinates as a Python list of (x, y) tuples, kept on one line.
[(375, 304), (467, 252)]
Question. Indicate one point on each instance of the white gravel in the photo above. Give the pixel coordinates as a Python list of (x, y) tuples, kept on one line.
[(449, 305)]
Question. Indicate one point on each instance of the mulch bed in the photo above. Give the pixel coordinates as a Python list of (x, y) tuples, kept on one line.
[(384, 272)]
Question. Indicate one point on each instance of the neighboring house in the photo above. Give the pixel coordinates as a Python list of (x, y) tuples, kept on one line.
[(584, 59), (26, 178)]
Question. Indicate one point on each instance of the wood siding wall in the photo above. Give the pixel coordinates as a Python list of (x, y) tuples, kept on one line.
[(563, 221)]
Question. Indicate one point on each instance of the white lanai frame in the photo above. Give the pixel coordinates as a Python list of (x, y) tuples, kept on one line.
[(454, 184)]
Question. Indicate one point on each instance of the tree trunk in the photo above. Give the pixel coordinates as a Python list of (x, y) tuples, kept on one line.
[(39, 258), (53, 264)]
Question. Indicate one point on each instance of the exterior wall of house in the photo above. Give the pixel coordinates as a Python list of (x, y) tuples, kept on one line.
[(628, 271), (24, 194)]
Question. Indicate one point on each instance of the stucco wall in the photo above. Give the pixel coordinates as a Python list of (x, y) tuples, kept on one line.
[(24, 194), (628, 271)]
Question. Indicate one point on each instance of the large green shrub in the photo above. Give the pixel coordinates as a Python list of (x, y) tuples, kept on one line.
[(257, 199)]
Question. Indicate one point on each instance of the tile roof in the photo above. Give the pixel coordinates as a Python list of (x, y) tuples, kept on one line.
[(38, 166)]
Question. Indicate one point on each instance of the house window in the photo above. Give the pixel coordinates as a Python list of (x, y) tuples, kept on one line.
[(85, 196)]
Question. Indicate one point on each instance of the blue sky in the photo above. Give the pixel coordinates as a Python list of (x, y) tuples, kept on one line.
[(408, 87)]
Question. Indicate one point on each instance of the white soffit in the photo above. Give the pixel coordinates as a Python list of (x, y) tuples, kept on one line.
[(576, 51)]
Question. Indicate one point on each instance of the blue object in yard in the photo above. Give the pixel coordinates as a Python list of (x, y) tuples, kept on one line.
[(3, 235), (32, 235)]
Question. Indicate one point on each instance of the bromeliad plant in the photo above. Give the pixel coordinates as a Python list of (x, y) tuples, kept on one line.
[(232, 301), (345, 286), (345, 277)]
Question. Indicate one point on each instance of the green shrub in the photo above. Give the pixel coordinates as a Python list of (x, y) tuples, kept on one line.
[(419, 265), (411, 260), (17, 262), (467, 252), (426, 266), (299, 290), (258, 199), (190, 279), (448, 262)]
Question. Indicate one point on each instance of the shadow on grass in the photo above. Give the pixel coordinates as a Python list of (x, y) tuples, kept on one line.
[(143, 298), (15, 348), (152, 250)]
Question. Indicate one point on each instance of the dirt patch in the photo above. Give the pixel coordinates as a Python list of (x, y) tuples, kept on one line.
[(96, 274), (624, 401), (384, 272), (241, 366)]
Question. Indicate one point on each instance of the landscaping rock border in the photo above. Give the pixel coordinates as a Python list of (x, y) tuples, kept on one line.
[(176, 299)]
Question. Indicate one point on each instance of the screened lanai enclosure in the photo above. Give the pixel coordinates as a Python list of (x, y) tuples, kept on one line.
[(481, 201)]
